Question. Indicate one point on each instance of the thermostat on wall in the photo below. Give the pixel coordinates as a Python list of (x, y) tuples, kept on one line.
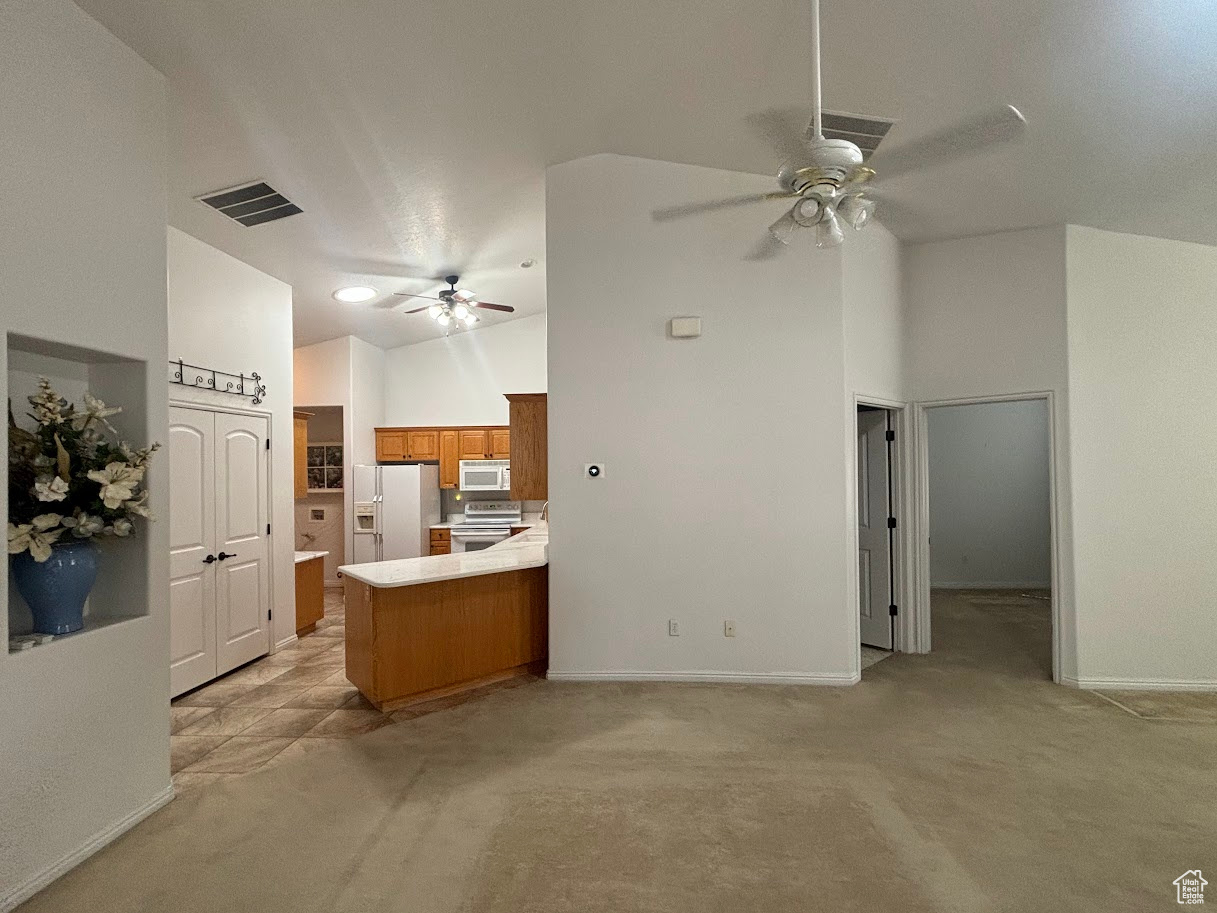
[(686, 327)]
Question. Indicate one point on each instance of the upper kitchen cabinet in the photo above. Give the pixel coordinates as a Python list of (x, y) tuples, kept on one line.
[(473, 444), (422, 444), (390, 445), (529, 447), (448, 446), (300, 456), (449, 459), (500, 443)]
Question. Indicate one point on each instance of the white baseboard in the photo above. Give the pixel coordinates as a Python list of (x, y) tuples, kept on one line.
[(992, 585), (1121, 684), (742, 678), (286, 642), (25, 891)]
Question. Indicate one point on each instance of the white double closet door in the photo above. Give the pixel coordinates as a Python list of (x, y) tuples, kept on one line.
[(219, 566)]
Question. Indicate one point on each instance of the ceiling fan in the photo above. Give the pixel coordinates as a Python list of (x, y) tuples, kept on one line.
[(826, 177), (454, 304)]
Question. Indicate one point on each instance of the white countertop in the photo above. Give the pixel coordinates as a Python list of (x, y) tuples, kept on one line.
[(309, 556), (520, 552)]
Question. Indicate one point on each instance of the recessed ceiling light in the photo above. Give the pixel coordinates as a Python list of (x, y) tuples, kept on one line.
[(355, 293)]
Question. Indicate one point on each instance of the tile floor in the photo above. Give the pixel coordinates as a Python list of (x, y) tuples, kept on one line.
[(278, 707)]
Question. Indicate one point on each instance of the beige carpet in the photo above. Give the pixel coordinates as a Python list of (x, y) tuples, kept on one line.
[(959, 781)]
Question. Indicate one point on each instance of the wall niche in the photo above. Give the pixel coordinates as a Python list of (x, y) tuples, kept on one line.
[(122, 588)]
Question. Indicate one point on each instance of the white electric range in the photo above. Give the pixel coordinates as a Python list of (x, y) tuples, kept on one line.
[(486, 523)]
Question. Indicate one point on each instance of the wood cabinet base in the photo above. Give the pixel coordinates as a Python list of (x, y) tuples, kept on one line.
[(404, 644), (310, 594)]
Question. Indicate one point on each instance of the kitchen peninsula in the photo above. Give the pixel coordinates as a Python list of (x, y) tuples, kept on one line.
[(418, 626)]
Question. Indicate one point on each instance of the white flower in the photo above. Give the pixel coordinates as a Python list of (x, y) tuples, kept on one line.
[(118, 483), (38, 536), (139, 505), (50, 488), (95, 410), (123, 527), (84, 525), (48, 405)]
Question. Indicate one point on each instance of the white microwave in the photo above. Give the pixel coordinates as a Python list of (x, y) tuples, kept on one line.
[(485, 475)]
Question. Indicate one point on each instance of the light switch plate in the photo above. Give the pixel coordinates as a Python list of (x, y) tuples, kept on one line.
[(686, 327)]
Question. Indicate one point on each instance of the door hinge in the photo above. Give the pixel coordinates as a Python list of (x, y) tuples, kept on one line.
[(891, 435), (893, 610), (268, 443), (270, 614), (268, 529), (891, 522)]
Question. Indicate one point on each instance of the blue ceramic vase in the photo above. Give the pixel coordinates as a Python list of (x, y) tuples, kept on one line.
[(56, 589)]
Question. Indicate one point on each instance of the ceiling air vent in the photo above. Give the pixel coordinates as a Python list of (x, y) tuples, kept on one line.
[(251, 204), (864, 132)]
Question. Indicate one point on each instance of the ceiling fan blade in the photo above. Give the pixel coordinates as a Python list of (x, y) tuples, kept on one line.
[(418, 310), (785, 130), (766, 248), (463, 294), (412, 295), (506, 309), (968, 137), (692, 209)]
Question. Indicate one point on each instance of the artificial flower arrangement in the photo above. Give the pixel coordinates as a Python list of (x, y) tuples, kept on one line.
[(72, 476)]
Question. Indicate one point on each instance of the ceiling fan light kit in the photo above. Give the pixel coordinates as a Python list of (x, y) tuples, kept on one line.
[(826, 177), (454, 306)]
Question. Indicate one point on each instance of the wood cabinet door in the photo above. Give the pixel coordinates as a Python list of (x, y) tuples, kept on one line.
[(472, 443), (529, 447), (449, 459), (390, 446), (422, 444), (441, 548), (500, 443), (300, 441)]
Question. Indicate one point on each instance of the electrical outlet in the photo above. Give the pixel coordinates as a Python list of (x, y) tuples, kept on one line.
[(673, 627), (728, 629)]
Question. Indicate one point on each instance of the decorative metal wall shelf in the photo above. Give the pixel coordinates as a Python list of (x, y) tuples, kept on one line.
[(221, 381)]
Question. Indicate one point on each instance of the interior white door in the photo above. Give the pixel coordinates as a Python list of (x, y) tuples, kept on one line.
[(242, 575), (874, 555), (192, 618)]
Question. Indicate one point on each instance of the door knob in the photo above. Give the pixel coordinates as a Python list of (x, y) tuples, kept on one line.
[(210, 559), (223, 555)]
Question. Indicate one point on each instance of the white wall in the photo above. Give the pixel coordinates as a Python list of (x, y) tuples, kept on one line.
[(989, 497), (873, 314), (461, 380), (1142, 338), (349, 373), (84, 724), (225, 314), (367, 399), (986, 316), (689, 520)]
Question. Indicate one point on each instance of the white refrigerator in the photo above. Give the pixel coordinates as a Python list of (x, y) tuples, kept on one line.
[(395, 507)]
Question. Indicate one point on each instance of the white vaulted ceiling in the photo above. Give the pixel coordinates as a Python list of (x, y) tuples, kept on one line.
[(415, 135)]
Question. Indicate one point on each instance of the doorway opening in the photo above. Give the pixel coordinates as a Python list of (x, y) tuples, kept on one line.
[(877, 519), (990, 567)]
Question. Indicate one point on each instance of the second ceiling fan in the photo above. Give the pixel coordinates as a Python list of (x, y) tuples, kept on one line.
[(826, 178)]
